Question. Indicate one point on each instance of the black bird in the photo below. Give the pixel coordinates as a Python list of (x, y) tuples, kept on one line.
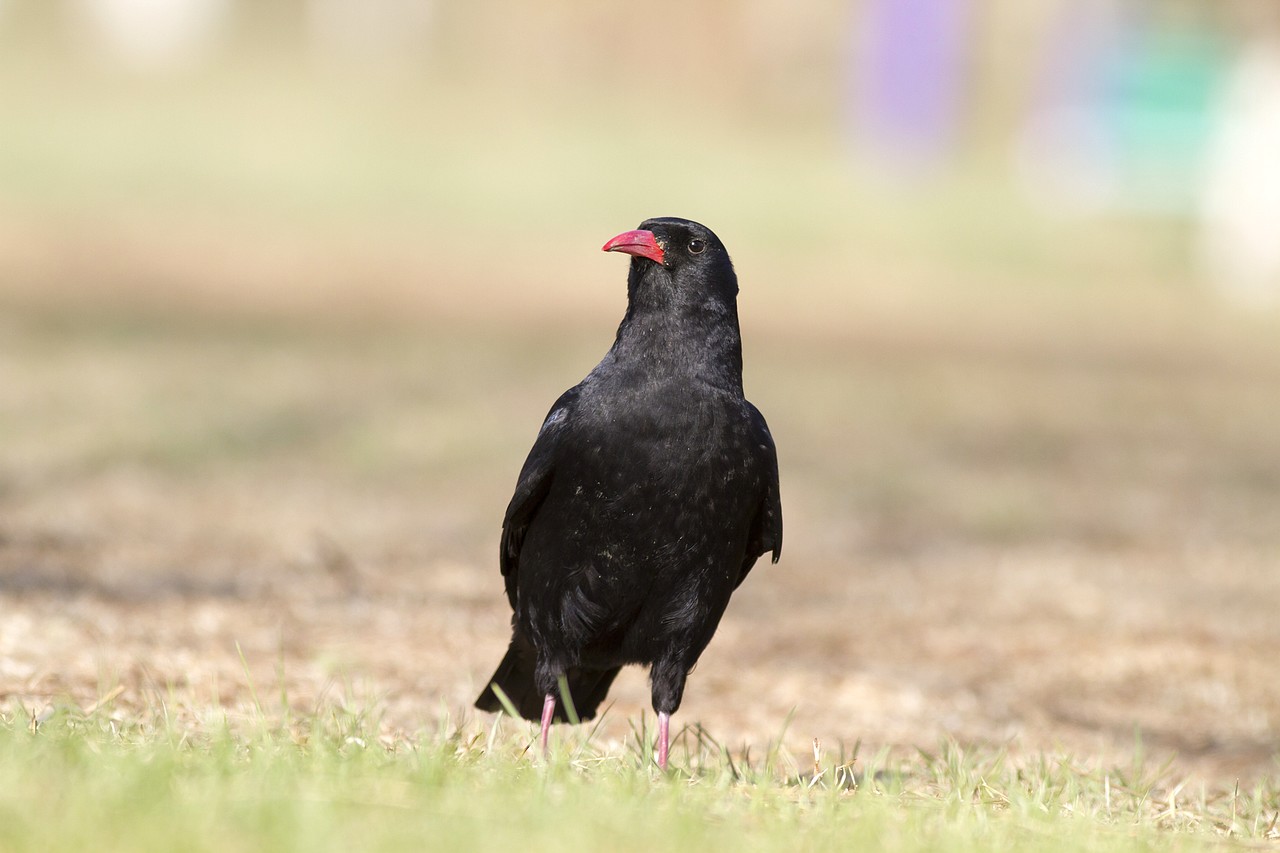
[(650, 492)]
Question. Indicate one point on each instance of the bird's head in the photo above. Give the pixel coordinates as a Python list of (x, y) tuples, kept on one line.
[(678, 259)]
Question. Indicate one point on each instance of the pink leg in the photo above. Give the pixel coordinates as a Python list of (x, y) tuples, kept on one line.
[(548, 711), (664, 739)]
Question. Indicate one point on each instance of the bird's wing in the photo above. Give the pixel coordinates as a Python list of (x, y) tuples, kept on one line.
[(532, 487), (766, 527)]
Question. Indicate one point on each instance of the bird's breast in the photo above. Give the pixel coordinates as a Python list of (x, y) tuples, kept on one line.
[(650, 465)]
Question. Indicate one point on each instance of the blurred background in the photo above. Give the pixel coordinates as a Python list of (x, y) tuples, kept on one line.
[(286, 288)]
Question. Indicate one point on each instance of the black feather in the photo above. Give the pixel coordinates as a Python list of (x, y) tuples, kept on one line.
[(514, 677), (649, 494)]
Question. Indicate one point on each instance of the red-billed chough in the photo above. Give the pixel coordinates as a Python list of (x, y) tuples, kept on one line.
[(651, 490)]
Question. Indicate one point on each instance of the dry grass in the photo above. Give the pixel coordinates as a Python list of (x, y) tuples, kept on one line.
[(1029, 539)]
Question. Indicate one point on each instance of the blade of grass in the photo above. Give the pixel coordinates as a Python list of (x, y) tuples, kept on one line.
[(253, 691)]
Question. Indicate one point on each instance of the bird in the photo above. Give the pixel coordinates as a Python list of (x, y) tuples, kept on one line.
[(649, 494)]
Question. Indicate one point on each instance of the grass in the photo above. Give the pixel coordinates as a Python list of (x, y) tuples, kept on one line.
[(271, 355), (337, 780)]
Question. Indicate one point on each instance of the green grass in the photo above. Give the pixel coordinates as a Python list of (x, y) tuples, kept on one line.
[(71, 781)]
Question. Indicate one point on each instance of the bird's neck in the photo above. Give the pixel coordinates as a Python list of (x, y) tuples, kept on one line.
[(694, 341)]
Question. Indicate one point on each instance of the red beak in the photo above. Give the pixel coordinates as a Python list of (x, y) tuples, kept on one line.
[(642, 244)]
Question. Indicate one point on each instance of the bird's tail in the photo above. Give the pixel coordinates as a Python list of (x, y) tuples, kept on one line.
[(515, 677)]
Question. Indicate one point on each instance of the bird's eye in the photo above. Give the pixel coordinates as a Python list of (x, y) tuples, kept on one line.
[(696, 246)]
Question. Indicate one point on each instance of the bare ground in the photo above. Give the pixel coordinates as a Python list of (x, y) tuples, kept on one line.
[(1049, 522)]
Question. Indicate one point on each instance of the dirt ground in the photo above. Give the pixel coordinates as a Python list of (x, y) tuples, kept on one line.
[(1048, 526)]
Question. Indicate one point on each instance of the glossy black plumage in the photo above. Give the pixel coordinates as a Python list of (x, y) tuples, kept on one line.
[(649, 494)]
